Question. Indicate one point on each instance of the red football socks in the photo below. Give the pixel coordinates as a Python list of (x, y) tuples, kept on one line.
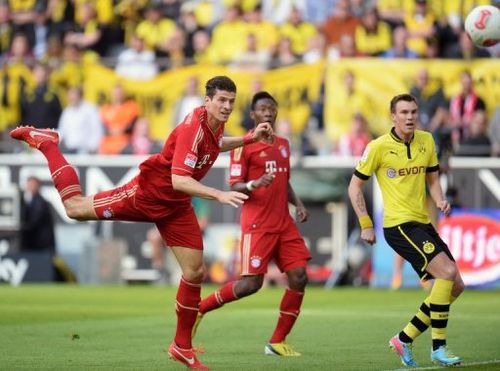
[(186, 306), (63, 174), (218, 298), (289, 311)]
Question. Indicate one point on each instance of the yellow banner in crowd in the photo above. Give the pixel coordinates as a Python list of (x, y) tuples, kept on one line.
[(294, 88), (376, 81)]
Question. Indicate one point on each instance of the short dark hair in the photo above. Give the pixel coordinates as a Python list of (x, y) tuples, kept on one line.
[(402, 97), (219, 83), (261, 95)]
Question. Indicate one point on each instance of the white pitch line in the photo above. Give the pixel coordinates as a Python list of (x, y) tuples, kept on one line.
[(462, 365)]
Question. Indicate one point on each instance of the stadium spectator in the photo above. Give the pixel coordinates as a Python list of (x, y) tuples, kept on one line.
[(53, 56), (80, 125), (420, 26), (466, 50), (399, 45), (348, 101), (87, 33), (40, 105), (189, 24), (155, 30), (432, 103), (15, 78), (22, 15), (372, 35), (315, 50), (347, 48), (174, 49), (140, 143), (135, 62), (266, 33), (283, 55), (70, 73), (227, 36), (354, 142), (189, 100), (393, 12), (478, 143), (252, 59), (118, 117), (37, 223), (203, 52), (161, 193), (41, 32), (342, 22), (268, 232), (298, 31), (407, 224), (462, 108)]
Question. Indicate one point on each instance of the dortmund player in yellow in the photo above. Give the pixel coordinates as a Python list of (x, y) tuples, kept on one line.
[(402, 161)]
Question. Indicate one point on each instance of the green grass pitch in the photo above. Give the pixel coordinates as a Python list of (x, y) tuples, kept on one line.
[(51, 327)]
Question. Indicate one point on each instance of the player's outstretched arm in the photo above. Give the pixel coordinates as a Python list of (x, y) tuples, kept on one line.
[(192, 187), (262, 131), (357, 198), (302, 212)]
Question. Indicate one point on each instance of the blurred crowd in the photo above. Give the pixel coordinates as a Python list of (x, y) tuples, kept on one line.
[(44, 45)]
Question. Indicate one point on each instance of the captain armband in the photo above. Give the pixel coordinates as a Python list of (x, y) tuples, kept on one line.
[(365, 222)]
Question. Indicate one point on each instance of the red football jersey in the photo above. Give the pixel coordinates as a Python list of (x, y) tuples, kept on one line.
[(267, 207), (191, 149)]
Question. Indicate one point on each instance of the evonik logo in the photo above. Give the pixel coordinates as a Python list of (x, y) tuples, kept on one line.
[(413, 170)]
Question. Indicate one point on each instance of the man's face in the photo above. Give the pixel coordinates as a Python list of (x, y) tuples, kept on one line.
[(220, 105), (265, 111), (405, 117)]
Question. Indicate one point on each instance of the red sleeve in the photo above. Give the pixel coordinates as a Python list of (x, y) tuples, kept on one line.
[(287, 144), (238, 166), (185, 157)]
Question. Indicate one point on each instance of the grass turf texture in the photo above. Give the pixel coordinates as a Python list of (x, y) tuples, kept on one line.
[(128, 328)]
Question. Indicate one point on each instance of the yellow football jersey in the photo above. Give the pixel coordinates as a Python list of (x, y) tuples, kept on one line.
[(400, 169)]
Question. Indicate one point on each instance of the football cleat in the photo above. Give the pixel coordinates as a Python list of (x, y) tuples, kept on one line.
[(34, 137), (280, 349), (199, 317), (185, 356), (444, 357), (403, 350)]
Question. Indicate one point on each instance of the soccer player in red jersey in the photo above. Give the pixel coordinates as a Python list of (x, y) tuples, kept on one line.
[(161, 194), (262, 170)]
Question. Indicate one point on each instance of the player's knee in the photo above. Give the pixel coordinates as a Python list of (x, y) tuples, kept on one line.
[(251, 285), (298, 279), (193, 274), (448, 272)]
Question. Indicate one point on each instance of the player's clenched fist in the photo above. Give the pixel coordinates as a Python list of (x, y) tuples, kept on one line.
[(262, 131), (232, 198)]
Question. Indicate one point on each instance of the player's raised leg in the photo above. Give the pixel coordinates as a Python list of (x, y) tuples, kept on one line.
[(187, 305), (231, 291), (63, 174), (289, 312)]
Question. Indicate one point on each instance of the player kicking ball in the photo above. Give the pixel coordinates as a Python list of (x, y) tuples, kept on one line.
[(268, 232), (161, 194)]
